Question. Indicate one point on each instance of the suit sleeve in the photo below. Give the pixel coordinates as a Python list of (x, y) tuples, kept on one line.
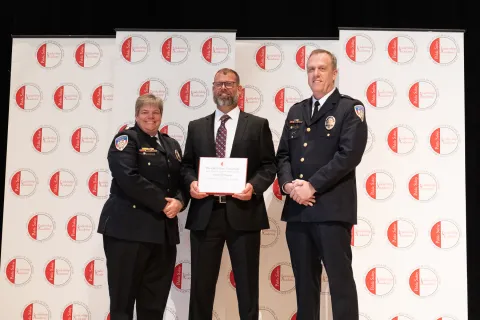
[(189, 173), (284, 170), (183, 194), (353, 140), (124, 168), (265, 174)]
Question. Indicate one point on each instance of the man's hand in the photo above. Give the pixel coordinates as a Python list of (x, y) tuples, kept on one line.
[(195, 193), (172, 208), (246, 194), (302, 192)]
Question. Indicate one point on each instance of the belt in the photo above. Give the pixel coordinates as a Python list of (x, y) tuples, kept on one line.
[(220, 199)]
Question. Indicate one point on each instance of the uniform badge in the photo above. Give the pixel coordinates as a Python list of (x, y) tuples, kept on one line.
[(121, 142), (177, 154), (330, 122), (147, 150), (360, 111)]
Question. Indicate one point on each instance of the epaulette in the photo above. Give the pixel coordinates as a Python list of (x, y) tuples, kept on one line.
[(347, 97)]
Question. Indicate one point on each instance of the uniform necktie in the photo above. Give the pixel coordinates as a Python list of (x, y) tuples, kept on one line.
[(315, 111), (221, 139)]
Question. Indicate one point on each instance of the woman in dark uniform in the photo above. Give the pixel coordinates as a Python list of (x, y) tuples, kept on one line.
[(139, 220)]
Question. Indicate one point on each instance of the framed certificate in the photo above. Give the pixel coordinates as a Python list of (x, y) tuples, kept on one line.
[(222, 176)]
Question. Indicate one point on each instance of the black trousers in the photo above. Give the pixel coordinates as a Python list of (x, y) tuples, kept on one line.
[(310, 244), (138, 272), (206, 250)]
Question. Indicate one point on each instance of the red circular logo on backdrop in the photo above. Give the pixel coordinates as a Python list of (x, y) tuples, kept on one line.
[(379, 185), (84, 139), (231, 279), (28, 97), (76, 310), (402, 317), (445, 234), (443, 50), (270, 236), (174, 130), (359, 48), (193, 93), (302, 54), (62, 183), (95, 272), (444, 140), (80, 227), (99, 183), (154, 86), (370, 141), (277, 194), (446, 318), (293, 316), (49, 54), (422, 186), (45, 139), (36, 310), (169, 314), (58, 271), (362, 234), (401, 139), (23, 183), (215, 50), (401, 233), (182, 276), (424, 282), (135, 49), (126, 125), (422, 94), (380, 281), (67, 97), (363, 316), (380, 93), (40, 226), (401, 49), (175, 49), (88, 54), (19, 271), (269, 57), (285, 97), (102, 97), (250, 99), (281, 278)]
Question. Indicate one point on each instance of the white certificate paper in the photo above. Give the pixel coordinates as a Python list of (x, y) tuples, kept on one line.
[(222, 175)]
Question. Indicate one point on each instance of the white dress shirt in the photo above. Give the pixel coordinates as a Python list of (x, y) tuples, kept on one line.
[(231, 126), (321, 100)]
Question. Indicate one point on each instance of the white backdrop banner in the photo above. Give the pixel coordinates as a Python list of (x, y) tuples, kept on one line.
[(273, 74), (57, 179), (179, 67), (409, 244)]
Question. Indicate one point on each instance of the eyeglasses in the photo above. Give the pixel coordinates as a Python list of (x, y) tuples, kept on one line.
[(227, 84)]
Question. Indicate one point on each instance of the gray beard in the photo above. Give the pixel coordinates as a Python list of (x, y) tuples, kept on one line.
[(222, 102)]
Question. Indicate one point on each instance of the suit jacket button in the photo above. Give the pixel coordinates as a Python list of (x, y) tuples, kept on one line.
[(308, 129), (134, 206), (301, 175), (149, 163), (305, 144), (302, 159)]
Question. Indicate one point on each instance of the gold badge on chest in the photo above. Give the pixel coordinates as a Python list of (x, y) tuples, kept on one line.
[(330, 122)]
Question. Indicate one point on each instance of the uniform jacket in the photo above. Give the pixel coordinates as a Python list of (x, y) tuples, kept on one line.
[(325, 151), (253, 140), (143, 173)]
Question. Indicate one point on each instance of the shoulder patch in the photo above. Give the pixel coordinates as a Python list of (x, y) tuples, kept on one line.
[(360, 111), (121, 142)]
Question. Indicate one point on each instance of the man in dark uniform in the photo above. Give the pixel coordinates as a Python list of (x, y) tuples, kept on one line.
[(237, 219), (139, 219), (322, 142)]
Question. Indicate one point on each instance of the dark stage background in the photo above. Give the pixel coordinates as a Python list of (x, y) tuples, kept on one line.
[(267, 19)]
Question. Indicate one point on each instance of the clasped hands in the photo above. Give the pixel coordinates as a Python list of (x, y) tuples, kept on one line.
[(245, 195), (301, 191), (172, 208)]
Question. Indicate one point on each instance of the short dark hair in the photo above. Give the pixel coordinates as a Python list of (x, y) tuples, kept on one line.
[(226, 71)]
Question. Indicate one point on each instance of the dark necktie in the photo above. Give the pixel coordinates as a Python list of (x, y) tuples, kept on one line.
[(315, 111), (221, 139)]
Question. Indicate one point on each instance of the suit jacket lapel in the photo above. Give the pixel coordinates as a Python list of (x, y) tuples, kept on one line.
[(163, 148), (210, 139), (307, 112), (241, 125)]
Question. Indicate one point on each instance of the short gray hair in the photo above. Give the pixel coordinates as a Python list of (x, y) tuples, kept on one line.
[(148, 99), (319, 51)]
